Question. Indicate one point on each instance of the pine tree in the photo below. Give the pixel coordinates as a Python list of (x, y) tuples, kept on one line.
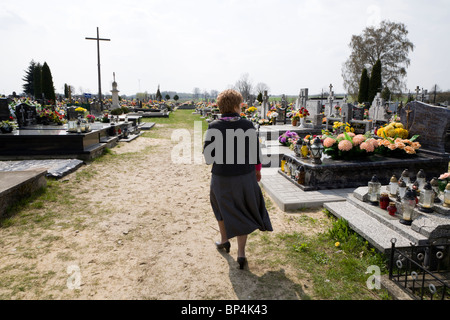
[(66, 91), (363, 95), (47, 83), (375, 81), (158, 95), (260, 97), (28, 87), (386, 94), (37, 83)]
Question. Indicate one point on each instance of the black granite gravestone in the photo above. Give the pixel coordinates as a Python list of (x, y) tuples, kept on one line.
[(358, 113), (4, 109), (26, 115)]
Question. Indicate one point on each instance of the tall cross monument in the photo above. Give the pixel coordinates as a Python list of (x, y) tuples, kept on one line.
[(98, 59)]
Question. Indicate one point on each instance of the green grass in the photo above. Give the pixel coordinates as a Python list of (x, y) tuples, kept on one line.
[(335, 260)]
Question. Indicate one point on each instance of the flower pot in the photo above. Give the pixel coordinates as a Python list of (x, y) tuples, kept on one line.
[(294, 122)]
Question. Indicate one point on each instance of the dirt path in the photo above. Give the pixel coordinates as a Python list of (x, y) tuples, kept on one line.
[(146, 232)]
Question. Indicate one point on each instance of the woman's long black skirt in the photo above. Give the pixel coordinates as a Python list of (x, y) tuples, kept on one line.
[(239, 202)]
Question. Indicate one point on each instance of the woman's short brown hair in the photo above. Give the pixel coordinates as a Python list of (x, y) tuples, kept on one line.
[(229, 100)]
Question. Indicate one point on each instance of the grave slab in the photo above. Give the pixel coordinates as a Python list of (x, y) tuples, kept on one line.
[(15, 185)]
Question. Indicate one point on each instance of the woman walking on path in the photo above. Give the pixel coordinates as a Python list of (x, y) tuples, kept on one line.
[(232, 147)]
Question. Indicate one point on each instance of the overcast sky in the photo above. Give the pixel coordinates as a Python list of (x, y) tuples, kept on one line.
[(210, 44)]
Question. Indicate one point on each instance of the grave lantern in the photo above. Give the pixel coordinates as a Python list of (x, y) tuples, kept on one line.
[(408, 205), (427, 195), (374, 190), (298, 148), (283, 163), (293, 168), (393, 186), (435, 185), (300, 175), (421, 179), (401, 189), (304, 150), (316, 151), (447, 196), (405, 177)]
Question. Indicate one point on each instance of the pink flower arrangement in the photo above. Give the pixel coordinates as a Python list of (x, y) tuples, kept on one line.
[(367, 146), (329, 142), (444, 176), (357, 140), (345, 145)]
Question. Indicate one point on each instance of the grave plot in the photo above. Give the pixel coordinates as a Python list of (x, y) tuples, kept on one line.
[(78, 139)]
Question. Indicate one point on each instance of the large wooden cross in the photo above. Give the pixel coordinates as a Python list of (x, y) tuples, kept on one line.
[(98, 39)]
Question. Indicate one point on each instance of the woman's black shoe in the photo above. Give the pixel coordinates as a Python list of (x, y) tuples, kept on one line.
[(225, 245), (241, 261)]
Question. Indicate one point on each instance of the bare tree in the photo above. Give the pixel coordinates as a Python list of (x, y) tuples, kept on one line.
[(387, 43), (261, 87), (213, 94), (196, 93), (244, 86)]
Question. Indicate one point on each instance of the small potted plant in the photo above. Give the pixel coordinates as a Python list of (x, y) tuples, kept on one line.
[(295, 119)]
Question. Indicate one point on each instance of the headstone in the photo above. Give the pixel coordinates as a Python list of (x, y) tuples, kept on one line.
[(431, 123), (302, 99), (358, 113), (4, 109), (26, 115), (72, 115), (96, 109), (377, 111), (314, 107), (347, 112)]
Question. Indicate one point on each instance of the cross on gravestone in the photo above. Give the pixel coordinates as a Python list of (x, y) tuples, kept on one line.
[(98, 39), (417, 92), (26, 115), (330, 102)]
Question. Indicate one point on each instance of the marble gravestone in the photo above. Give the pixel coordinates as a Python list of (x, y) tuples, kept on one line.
[(378, 110)]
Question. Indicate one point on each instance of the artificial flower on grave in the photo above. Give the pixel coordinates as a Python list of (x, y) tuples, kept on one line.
[(443, 180), (341, 127), (348, 146), (251, 110), (392, 130), (303, 112), (288, 138), (263, 122), (398, 147), (272, 114)]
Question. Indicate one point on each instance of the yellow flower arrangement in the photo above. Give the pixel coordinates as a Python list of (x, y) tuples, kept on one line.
[(80, 109), (252, 109), (394, 129)]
